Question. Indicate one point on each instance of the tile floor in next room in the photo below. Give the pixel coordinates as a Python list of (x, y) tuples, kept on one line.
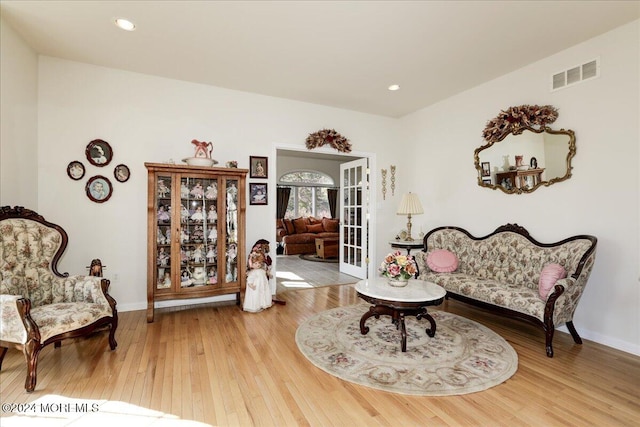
[(292, 272)]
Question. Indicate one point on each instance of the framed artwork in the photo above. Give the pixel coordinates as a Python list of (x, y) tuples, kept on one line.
[(258, 194), (258, 167), (99, 189), (121, 173), (75, 170), (99, 153), (486, 169)]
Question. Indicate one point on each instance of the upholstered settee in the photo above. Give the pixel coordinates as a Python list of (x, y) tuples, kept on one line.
[(511, 273), (299, 235), (38, 304)]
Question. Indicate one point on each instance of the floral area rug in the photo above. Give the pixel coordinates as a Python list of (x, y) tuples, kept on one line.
[(463, 356)]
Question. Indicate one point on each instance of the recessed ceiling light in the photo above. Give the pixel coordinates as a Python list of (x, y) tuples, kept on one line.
[(125, 24), (394, 87)]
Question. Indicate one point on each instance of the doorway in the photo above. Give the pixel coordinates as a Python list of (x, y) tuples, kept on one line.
[(290, 158)]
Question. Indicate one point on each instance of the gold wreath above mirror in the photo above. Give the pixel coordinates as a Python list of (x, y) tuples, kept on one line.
[(522, 152)]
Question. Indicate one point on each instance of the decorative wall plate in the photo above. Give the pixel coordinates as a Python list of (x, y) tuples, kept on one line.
[(99, 189), (99, 153), (121, 173), (75, 170)]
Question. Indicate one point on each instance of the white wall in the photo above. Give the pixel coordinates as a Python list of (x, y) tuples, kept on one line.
[(152, 119), (18, 115), (602, 197)]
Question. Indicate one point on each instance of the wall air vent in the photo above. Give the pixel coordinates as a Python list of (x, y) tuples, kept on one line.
[(574, 75)]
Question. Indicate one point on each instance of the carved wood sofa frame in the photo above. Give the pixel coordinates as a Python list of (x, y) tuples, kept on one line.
[(31, 342), (577, 276)]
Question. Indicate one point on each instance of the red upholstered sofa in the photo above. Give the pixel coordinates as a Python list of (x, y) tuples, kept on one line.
[(299, 235)]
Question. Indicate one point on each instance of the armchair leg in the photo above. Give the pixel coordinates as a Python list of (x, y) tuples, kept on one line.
[(574, 333), (31, 350), (2, 353), (112, 333)]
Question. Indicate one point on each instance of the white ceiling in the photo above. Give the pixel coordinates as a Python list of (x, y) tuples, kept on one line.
[(337, 53)]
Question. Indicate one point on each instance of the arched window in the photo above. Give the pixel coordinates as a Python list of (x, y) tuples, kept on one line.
[(308, 193)]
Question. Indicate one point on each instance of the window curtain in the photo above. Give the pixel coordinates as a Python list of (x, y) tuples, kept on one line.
[(283, 194), (332, 195)]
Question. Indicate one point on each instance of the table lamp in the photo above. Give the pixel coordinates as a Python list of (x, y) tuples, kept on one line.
[(410, 205)]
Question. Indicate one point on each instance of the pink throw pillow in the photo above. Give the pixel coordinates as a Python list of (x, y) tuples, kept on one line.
[(442, 261), (550, 274)]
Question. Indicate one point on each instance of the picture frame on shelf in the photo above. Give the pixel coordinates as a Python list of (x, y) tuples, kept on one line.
[(99, 189), (258, 167), (75, 170), (121, 173), (258, 194), (99, 153), (486, 169), (486, 181)]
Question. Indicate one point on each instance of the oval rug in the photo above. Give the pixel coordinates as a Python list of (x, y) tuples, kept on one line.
[(463, 357)]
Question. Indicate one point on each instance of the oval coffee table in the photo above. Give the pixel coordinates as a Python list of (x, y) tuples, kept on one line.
[(411, 300)]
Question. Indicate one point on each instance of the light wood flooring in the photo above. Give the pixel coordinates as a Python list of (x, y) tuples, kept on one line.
[(218, 365)]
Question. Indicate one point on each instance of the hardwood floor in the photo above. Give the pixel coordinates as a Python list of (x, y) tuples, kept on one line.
[(221, 366)]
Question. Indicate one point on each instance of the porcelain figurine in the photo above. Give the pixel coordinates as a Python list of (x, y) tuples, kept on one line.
[(211, 254), (213, 235), (184, 191), (198, 234), (163, 258), (184, 236), (197, 190), (213, 276), (160, 239), (184, 257), (163, 215), (197, 216), (185, 279), (184, 214), (197, 254), (162, 188), (212, 192), (212, 215)]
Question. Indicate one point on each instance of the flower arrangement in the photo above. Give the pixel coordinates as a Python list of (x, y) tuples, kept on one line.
[(516, 117), (398, 267), (328, 136)]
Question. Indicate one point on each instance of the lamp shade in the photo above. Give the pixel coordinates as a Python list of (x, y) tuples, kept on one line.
[(410, 204)]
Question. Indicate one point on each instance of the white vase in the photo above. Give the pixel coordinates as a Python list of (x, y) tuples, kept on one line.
[(397, 282)]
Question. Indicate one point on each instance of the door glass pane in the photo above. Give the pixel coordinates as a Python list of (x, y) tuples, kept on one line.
[(231, 243), (163, 233), (198, 232)]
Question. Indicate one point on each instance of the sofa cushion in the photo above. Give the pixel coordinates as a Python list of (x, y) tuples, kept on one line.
[(315, 228), (287, 224), (550, 274), (330, 225), (442, 261), (300, 225)]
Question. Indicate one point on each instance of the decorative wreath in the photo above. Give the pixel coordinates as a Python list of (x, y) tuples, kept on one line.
[(331, 137), (510, 120)]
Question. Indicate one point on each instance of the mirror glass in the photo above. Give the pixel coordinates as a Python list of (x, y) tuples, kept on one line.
[(526, 159)]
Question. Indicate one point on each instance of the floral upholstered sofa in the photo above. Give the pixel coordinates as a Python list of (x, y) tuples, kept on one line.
[(40, 305), (511, 273)]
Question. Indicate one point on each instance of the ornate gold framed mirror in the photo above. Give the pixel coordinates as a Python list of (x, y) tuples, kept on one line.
[(522, 152)]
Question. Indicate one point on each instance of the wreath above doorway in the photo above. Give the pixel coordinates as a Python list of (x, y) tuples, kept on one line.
[(331, 137)]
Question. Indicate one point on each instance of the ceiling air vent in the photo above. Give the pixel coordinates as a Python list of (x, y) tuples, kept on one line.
[(575, 75)]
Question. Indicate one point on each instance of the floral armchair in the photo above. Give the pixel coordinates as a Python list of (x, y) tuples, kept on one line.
[(38, 304)]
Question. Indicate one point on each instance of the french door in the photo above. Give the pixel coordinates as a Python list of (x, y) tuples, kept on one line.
[(354, 228)]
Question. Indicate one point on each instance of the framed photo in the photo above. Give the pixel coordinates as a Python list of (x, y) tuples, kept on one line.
[(258, 167), (258, 194), (121, 173), (99, 153), (75, 170), (99, 189), (486, 169), (486, 181)]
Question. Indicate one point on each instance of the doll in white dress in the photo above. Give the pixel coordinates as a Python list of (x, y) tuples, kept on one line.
[(212, 215), (197, 191), (212, 192), (258, 293), (197, 254), (184, 191), (198, 216), (211, 254)]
